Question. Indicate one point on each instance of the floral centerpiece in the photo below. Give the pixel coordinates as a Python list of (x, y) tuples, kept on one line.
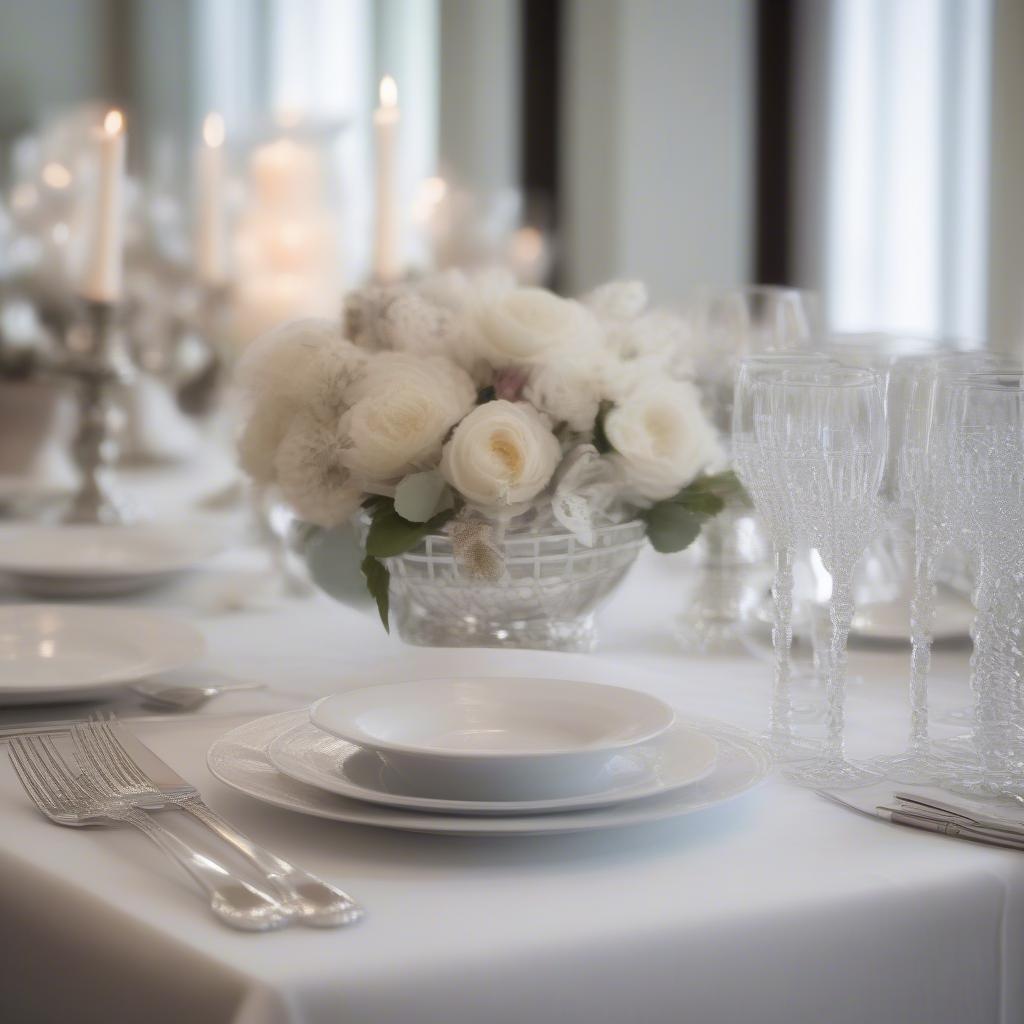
[(479, 426)]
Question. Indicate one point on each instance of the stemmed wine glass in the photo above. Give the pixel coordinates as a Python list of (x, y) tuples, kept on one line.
[(754, 470), (821, 431), (911, 488), (727, 326), (983, 415)]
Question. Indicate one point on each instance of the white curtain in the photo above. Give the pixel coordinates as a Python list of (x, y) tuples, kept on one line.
[(899, 234)]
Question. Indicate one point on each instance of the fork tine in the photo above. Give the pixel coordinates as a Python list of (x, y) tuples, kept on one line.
[(39, 771), (92, 761), (115, 749), (59, 770), (38, 795)]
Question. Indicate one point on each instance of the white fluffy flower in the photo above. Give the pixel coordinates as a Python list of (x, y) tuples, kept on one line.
[(404, 408), (525, 325), (260, 438), (302, 366), (662, 437), (311, 475), (618, 300), (568, 388), (501, 454), (289, 362)]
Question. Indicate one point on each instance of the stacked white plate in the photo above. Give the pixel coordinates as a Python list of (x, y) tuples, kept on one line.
[(489, 756), (102, 561), (53, 653)]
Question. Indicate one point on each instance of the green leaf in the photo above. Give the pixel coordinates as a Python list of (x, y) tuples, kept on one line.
[(704, 503), (378, 581), (392, 535), (672, 527), (487, 394), (420, 496), (601, 442)]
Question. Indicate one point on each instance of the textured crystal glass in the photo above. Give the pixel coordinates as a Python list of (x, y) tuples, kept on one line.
[(983, 416), (546, 597), (728, 326), (754, 467), (821, 430)]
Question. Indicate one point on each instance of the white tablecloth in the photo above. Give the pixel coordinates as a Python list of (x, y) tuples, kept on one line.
[(779, 908)]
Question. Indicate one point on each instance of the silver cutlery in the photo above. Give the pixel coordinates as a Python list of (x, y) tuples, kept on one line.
[(69, 798), (129, 768), (188, 698), (932, 814)]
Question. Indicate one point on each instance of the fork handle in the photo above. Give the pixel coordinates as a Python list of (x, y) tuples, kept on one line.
[(234, 901), (318, 903)]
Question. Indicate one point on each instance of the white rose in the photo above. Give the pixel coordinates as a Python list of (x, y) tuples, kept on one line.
[(402, 411), (311, 475), (662, 438), (568, 389), (525, 325), (502, 453)]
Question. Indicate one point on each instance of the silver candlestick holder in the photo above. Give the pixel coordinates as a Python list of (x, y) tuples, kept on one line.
[(101, 368)]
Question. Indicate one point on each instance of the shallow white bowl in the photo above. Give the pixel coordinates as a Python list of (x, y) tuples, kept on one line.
[(495, 738)]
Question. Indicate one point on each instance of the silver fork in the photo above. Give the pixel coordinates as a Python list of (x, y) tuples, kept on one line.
[(314, 901), (67, 798)]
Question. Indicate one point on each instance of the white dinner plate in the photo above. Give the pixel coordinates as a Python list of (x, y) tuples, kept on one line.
[(239, 759), (81, 560), (52, 653), (678, 757), (495, 738)]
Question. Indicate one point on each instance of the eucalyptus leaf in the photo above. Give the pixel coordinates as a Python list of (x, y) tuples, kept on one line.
[(391, 535), (421, 496), (378, 582), (333, 557), (672, 527)]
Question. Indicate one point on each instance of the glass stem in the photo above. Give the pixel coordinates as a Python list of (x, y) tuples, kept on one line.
[(781, 713), (841, 615), (922, 613)]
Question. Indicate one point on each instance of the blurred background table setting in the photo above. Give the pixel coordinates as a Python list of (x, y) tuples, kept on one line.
[(511, 510)]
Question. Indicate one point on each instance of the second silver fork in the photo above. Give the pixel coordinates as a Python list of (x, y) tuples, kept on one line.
[(314, 901)]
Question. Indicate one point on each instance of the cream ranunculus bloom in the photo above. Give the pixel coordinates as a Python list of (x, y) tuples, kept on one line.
[(662, 438), (525, 325), (568, 389), (402, 411), (501, 454)]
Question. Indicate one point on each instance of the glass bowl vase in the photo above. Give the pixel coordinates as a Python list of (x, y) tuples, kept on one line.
[(546, 598)]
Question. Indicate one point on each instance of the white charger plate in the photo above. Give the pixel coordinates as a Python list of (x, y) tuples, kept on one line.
[(678, 757), (240, 760), (51, 653), (83, 560)]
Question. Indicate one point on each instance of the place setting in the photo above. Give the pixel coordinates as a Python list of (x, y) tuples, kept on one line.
[(511, 511), (489, 757)]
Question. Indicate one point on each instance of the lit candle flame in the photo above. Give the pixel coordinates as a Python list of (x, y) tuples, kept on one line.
[(388, 92), (213, 130), (113, 123)]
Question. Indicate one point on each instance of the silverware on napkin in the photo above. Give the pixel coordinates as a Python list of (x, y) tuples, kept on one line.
[(924, 811), (127, 767), (70, 797)]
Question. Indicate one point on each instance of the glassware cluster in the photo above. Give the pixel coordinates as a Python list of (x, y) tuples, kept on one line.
[(931, 446)]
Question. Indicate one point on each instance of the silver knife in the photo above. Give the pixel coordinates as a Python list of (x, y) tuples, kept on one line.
[(151, 784)]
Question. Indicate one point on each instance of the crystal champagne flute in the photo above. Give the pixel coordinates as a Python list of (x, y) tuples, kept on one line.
[(822, 429)]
